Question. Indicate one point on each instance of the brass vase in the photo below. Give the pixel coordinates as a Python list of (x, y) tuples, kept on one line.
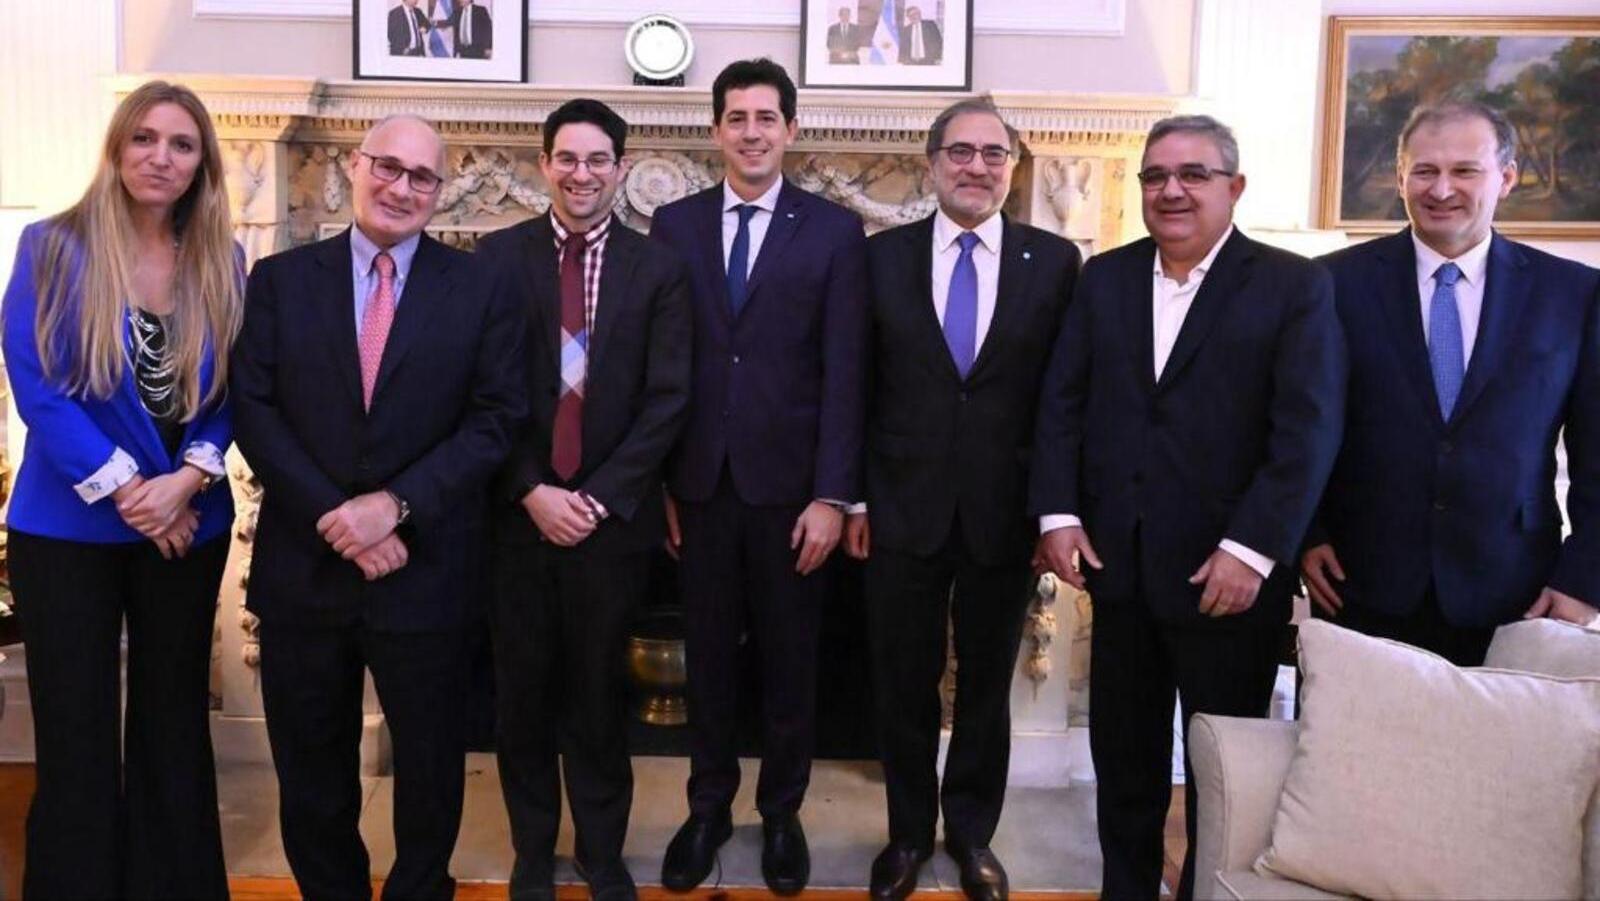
[(656, 663)]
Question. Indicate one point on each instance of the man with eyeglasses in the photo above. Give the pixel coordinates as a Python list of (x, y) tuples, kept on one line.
[(1470, 355), (965, 308), (577, 508), (376, 386), (1187, 423), (769, 459)]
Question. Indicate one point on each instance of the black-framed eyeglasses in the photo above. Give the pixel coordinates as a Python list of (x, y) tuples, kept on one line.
[(387, 168), (1190, 175), (962, 154), (597, 164)]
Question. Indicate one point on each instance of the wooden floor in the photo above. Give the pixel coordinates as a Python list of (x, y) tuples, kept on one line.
[(16, 788)]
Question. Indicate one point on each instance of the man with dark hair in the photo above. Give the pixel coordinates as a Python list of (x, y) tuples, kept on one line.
[(1187, 422), (921, 42), (408, 29), (946, 537), (770, 457), (1470, 355), (844, 40), (473, 29), (578, 506)]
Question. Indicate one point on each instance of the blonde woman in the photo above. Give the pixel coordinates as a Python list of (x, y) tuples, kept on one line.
[(117, 325)]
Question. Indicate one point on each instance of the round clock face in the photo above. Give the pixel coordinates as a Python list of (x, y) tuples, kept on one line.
[(659, 47)]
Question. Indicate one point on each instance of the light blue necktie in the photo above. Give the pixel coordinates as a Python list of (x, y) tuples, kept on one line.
[(961, 307), (1445, 350), (739, 259)]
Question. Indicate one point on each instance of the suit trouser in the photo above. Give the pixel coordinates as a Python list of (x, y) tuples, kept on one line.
[(1424, 627), (910, 599), (1136, 662), (561, 621), (137, 820), (311, 687), (738, 579)]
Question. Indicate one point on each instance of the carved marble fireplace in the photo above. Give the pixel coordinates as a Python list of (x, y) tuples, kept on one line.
[(285, 142)]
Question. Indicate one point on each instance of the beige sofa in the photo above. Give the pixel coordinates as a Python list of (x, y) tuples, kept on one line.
[(1240, 766)]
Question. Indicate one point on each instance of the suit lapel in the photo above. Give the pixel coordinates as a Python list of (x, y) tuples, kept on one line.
[(918, 254), (615, 275), (1016, 272), (337, 307), (1138, 288), (541, 272), (426, 293), (1397, 289), (709, 220), (1505, 297), (1228, 272), (787, 214)]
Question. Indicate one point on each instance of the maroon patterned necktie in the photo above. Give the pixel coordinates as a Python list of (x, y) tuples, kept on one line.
[(567, 436)]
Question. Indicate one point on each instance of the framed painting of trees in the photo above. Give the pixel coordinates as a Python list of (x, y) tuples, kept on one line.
[(1544, 72)]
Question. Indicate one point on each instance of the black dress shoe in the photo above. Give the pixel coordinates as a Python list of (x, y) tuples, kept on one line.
[(785, 859), (693, 851), (608, 882), (982, 876), (894, 871)]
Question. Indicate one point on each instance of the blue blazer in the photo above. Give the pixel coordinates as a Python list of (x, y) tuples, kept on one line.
[(1235, 440), (1468, 505), (69, 438), (778, 393)]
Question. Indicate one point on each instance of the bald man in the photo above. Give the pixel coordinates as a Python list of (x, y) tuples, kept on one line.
[(376, 385)]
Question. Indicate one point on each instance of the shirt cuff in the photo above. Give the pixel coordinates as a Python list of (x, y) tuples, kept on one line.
[(206, 457), (117, 471), (1058, 521), (1261, 563), (835, 503), (856, 509)]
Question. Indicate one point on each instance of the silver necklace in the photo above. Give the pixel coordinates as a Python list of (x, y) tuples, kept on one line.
[(153, 367)]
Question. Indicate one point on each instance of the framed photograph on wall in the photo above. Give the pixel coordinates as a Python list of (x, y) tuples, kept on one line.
[(441, 40), (1541, 71), (912, 45)]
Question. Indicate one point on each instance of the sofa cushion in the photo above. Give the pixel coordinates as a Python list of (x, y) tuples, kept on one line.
[(1546, 646), (1244, 885), (1413, 778)]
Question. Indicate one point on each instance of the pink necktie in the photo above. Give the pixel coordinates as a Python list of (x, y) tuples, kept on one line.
[(375, 322)]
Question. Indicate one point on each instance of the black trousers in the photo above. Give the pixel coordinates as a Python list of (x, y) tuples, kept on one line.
[(909, 601), (311, 687), (1424, 627), (120, 814), (1136, 663), (738, 580), (560, 626)]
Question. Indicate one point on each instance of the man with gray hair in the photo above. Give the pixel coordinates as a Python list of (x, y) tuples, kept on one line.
[(965, 306), (376, 386), (1187, 422), (1470, 354)]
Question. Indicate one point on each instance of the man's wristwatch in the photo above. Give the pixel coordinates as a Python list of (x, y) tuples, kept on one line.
[(402, 509)]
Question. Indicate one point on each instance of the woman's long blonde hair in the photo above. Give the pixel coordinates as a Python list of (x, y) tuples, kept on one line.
[(83, 306)]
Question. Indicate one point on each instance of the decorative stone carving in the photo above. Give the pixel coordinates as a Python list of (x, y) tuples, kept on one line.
[(658, 179), (244, 529), (1040, 630)]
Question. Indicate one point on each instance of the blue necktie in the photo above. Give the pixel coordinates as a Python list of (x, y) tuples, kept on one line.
[(739, 259), (1445, 349), (961, 307)]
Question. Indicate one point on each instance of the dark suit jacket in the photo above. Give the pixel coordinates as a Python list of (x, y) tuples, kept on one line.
[(400, 34), (778, 393), (636, 392), (1235, 441), (1469, 505), (932, 44), (449, 392), (938, 445), (843, 41), (482, 32)]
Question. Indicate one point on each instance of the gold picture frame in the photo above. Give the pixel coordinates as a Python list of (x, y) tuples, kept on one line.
[(1379, 67)]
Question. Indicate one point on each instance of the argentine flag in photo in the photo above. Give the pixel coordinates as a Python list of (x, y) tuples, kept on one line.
[(886, 37), (438, 45)]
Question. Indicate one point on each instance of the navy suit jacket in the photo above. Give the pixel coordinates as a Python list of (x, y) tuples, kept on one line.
[(449, 393), (1234, 441), (1467, 506), (778, 392), (940, 448)]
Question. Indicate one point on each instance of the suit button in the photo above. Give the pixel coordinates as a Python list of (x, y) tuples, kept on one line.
[(735, 359), (1440, 506), (963, 396), (1446, 447), (1138, 478), (724, 414)]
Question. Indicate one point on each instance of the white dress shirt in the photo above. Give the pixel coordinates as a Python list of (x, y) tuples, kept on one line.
[(1170, 301), (918, 51), (985, 259), (766, 205), (1474, 266)]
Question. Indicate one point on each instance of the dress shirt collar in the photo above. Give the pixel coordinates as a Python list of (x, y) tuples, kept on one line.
[(946, 231), (1199, 271), (1474, 264), (593, 236), (767, 201), (364, 251)]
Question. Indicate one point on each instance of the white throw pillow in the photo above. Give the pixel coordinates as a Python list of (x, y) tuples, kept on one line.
[(1414, 778)]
